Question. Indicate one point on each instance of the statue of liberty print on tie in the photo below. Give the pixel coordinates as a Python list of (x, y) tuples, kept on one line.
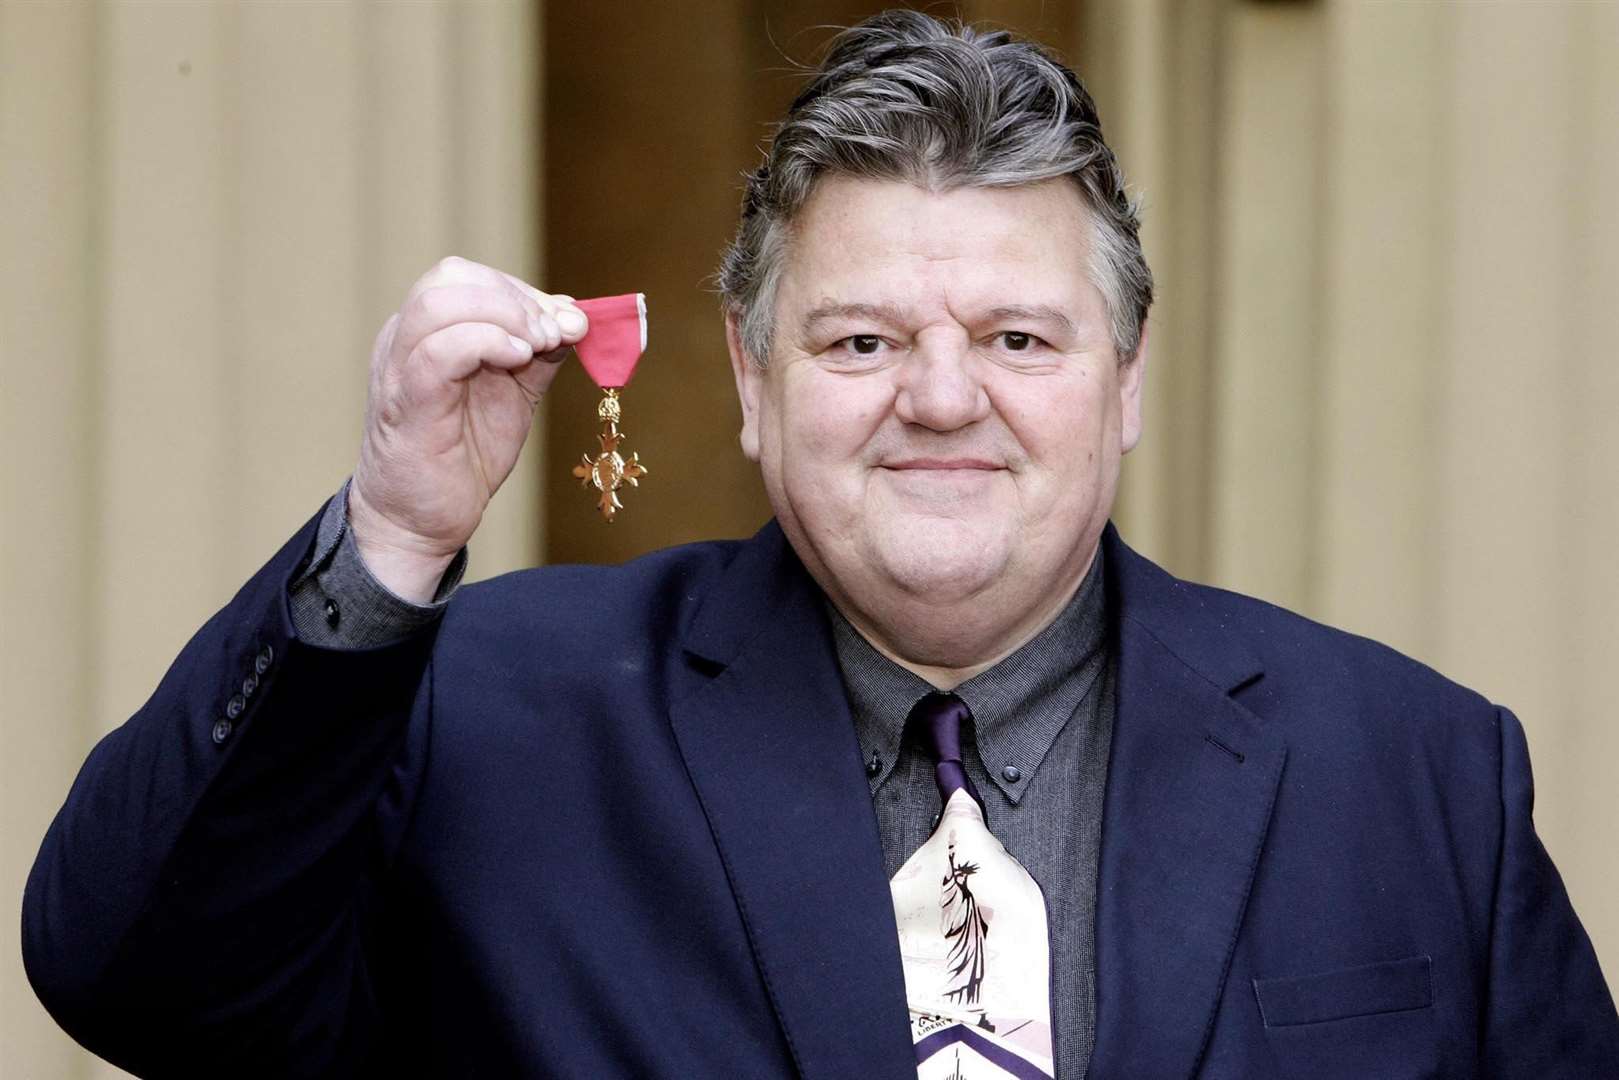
[(972, 931)]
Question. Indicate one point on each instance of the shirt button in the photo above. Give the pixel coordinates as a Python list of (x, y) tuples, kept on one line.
[(222, 729), (874, 766), (261, 663), (332, 615), (234, 707), (1012, 774)]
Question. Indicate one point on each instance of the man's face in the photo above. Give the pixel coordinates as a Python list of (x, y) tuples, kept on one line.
[(943, 413)]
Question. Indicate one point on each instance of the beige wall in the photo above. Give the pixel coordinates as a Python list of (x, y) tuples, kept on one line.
[(206, 211), (1384, 375)]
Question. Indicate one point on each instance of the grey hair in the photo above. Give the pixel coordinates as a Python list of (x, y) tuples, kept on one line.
[(905, 96)]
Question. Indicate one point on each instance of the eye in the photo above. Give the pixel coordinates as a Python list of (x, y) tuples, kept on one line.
[(1017, 340), (859, 352)]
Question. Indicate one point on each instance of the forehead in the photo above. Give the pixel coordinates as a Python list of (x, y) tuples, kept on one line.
[(888, 241)]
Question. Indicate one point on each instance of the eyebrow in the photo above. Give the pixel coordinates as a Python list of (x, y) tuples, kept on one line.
[(887, 313), (892, 314), (1037, 313)]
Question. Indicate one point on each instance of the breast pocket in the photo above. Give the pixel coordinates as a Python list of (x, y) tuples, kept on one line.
[(1371, 1020)]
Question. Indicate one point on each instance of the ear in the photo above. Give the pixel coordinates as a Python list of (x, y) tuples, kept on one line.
[(748, 386), (1131, 376)]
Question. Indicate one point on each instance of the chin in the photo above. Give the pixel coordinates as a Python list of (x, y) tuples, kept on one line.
[(943, 563)]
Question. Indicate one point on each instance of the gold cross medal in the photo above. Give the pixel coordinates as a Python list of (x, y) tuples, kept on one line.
[(609, 352)]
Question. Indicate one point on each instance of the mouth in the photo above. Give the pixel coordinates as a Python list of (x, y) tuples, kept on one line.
[(941, 465)]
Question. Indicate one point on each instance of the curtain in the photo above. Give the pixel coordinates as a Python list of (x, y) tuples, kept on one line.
[(208, 210), (1383, 381)]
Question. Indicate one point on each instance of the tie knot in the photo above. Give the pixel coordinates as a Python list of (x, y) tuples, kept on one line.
[(937, 720)]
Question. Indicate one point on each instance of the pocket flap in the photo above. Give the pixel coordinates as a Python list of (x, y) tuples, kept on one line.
[(1390, 986)]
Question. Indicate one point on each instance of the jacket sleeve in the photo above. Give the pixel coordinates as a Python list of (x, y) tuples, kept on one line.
[(1549, 1011), (202, 903)]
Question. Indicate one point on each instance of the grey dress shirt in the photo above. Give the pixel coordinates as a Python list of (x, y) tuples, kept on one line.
[(1043, 722), (337, 604)]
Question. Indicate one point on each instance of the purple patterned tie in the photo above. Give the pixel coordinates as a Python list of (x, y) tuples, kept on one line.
[(972, 930)]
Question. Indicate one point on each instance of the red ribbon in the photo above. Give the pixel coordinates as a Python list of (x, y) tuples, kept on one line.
[(613, 345)]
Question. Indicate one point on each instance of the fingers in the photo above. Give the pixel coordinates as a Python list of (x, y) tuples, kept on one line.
[(454, 270), (548, 327), (462, 315), (442, 306), (458, 351), (559, 306), (434, 296), (457, 271)]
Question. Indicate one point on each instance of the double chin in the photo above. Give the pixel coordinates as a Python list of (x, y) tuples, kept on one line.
[(938, 594)]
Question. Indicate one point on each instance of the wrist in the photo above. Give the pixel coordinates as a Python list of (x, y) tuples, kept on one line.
[(400, 561), (410, 577)]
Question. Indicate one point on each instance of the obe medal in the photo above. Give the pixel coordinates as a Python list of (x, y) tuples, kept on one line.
[(609, 352)]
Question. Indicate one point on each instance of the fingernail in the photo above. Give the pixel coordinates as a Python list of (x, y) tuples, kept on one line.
[(572, 320), (523, 348)]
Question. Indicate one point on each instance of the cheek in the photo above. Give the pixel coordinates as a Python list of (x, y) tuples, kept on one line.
[(828, 421), (1065, 430)]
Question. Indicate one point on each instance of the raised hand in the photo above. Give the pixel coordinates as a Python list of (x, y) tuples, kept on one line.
[(456, 376)]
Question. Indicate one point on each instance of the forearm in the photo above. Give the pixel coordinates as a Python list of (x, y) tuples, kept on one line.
[(211, 849)]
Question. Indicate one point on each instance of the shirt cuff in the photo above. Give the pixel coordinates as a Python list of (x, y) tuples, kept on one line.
[(338, 604)]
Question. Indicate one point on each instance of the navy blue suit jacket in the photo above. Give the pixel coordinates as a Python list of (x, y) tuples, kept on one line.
[(607, 822)]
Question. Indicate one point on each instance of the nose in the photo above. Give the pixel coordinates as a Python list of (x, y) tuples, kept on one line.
[(939, 386)]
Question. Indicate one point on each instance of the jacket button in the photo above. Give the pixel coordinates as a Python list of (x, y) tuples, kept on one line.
[(234, 707), (222, 729), (261, 663), (250, 684), (1012, 774)]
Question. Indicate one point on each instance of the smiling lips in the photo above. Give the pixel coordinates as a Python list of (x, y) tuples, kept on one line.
[(941, 465)]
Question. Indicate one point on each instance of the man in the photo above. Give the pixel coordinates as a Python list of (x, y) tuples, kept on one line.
[(677, 818)]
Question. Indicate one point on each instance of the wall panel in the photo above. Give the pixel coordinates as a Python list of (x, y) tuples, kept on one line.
[(48, 438), (1267, 294), (207, 211), (1435, 470)]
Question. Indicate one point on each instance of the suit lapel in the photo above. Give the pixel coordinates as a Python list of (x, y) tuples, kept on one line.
[(1191, 782), (770, 748)]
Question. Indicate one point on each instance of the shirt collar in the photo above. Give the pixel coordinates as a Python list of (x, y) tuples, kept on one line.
[(1019, 705)]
